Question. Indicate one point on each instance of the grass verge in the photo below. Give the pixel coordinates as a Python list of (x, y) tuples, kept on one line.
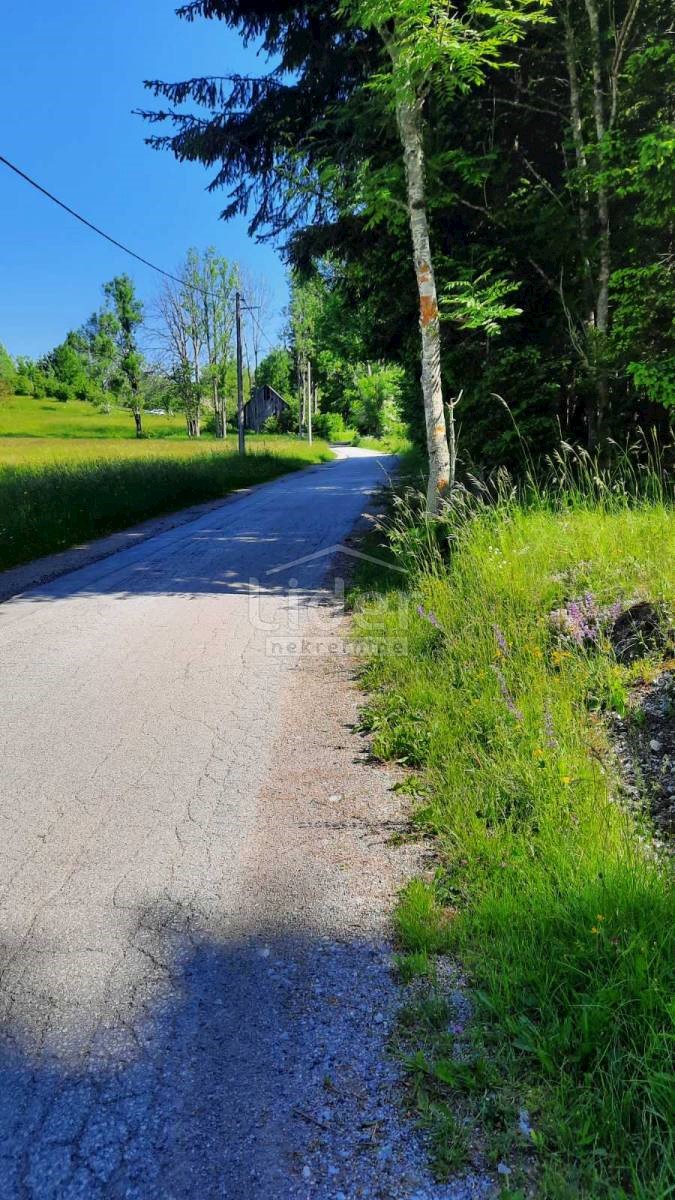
[(50, 506), (546, 889)]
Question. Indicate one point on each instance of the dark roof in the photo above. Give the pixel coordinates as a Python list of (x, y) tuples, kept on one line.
[(266, 387)]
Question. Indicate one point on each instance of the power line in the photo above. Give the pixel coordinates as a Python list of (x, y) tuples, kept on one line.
[(120, 245), (261, 330), (90, 225)]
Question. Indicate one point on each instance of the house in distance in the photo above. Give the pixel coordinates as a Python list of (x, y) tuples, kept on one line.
[(265, 402)]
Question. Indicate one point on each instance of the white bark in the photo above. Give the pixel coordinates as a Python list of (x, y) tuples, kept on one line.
[(604, 261), (440, 438)]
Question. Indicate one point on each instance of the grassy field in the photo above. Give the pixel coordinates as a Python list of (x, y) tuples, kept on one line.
[(37, 452), (82, 479), (546, 889), (26, 417)]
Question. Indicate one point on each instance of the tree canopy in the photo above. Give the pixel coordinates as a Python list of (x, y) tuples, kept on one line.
[(547, 191)]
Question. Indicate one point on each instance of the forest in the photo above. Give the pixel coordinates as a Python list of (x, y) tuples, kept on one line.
[(535, 143)]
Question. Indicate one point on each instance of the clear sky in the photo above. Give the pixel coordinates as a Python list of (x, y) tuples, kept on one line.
[(70, 75)]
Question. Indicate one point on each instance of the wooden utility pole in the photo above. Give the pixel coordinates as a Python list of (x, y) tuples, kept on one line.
[(240, 379)]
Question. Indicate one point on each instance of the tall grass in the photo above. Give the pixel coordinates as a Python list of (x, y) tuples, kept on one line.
[(26, 416), (546, 887), (49, 506)]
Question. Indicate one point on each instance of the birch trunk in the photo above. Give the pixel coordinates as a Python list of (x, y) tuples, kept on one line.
[(440, 438), (604, 262)]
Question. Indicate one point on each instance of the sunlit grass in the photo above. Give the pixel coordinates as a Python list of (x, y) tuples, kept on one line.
[(36, 452), (26, 417), (552, 899), (55, 493)]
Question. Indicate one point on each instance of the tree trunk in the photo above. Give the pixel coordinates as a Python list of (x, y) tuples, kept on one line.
[(440, 439), (138, 418), (192, 423), (604, 263), (218, 411), (580, 155)]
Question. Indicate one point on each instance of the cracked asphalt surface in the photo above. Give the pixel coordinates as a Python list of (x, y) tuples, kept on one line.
[(165, 940)]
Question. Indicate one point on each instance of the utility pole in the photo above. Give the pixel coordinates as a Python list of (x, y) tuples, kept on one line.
[(309, 401), (240, 379)]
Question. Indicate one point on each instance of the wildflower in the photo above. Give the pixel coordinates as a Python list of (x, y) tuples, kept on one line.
[(594, 929), (538, 754), (502, 644), (428, 616), (583, 622), (599, 917), (551, 740), (506, 695), (566, 779)]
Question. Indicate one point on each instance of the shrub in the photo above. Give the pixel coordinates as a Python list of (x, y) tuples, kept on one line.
[(331, 425), (375, 399)]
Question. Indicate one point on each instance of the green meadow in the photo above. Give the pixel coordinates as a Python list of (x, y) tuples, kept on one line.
[(69, 472)]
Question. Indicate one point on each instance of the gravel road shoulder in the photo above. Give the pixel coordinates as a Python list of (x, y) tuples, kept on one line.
[(336, 813)]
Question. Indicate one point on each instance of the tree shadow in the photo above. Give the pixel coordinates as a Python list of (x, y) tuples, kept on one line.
[(207, 1082), (232, 549)]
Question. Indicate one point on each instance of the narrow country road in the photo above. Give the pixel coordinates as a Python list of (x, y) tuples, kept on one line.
[(174, 923)]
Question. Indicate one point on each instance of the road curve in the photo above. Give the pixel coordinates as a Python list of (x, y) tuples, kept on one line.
[(142, 1048)]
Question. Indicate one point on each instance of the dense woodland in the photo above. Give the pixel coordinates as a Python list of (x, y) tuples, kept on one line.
[(544, 139)]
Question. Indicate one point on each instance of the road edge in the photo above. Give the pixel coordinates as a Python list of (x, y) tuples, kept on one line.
[(37, 571)]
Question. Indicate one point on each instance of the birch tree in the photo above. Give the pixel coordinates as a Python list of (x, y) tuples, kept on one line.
[(180, 333), (258, 297), (196, 324), (430, 43), (601, 48), (215, 282)]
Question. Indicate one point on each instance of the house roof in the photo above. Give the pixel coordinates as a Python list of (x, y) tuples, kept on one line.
[(267, 387)]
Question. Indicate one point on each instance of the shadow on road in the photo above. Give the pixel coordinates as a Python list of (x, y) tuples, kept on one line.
[(222, 552), (209, 1093)]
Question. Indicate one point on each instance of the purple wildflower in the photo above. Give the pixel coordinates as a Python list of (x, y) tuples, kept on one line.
[(429, 616), (506, 694), (500, 640), (551, 740), (582, 621)]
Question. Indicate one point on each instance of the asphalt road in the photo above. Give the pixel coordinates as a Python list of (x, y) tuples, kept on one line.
[(144, 1052)]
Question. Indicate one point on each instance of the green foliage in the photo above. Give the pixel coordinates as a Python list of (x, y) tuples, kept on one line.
[(479, 303), (276, 370), (375, 399), (431, 44), (7, 367), (126, 312), (545, 886), (331, 425)]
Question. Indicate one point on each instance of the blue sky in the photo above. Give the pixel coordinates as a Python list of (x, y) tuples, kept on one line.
[(71, 74)]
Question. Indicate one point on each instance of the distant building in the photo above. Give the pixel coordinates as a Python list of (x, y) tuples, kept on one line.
[(265, 402)]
